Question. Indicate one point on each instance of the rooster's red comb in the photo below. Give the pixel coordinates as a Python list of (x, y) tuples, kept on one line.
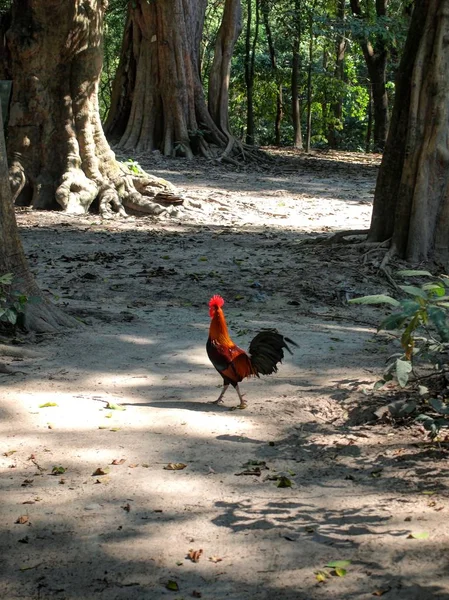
[(216, 302)]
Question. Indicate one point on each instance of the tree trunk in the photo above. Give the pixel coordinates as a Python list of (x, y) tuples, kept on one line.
[(376, 63), (220, 74), (59, 155), (159, 70), (411, 203), (265, 9), (309, 86), (339, 75), (296, 60), (40, 315), (250, 57)]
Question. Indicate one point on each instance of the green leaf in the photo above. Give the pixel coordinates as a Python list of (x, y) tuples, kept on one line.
[(410, 307), (284, 482), (438, 317), (321, 576), (48, 404), (436, 287), (6, 279), (338, 564), (58, 470), (423, 535), (414, 291), (172, 586), (393, 321), (375, 299), (414, 273), (113, 406), (340, 572), (439, 406), (403, 369)]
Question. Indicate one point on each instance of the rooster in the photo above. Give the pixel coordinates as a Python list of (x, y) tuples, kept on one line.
[(266, 350)]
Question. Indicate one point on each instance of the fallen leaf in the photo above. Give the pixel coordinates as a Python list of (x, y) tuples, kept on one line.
[(101, 471), (175, 466), (115, 429), (254, 471), (172, 585), (195, 555), (127, 507), (114, 406), (423, 535), (22, 520), (118, 461), (381, 592), (9, 452), (47, 404), (338, 564), (340, 572), (215, 559), (284, 482), (321, 576), (133, 465), (58, 470)]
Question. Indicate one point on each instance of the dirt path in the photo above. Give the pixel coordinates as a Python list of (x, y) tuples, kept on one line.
[(95, 529)]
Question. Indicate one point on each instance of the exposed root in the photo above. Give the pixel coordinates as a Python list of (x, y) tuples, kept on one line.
[(44, 317), (336, 238)]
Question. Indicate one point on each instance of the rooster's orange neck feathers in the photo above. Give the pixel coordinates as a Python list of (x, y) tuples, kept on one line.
[(218, 329)]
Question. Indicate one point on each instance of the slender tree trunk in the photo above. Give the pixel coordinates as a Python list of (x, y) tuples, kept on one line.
[(59, 155), (265, 9), (296, 61), (159, 70), (339, 75), (220, 74), (376, 62), (250, 57), (411, 204), (309, 86), (369, 129)]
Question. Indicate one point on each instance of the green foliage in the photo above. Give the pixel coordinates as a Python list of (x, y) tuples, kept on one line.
[(421, 322), (12, 303), (134, 166)]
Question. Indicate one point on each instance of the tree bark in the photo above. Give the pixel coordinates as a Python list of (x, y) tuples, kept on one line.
[(40, 315), (265, 9), (376, 62), (159, 70), (339, 75), (59, 156), (411, 204), (250, 57), (220, 74), (296, 60)]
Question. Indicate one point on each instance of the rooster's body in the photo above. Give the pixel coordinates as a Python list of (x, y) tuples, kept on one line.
[(266, 350)]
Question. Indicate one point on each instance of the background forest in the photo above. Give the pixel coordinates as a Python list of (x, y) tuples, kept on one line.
[(317, 53)]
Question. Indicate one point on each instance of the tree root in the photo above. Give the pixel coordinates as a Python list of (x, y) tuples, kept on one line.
[(44, 317), (336, 238)]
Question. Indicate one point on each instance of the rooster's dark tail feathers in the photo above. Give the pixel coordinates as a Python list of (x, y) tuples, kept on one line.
[(267, 350)]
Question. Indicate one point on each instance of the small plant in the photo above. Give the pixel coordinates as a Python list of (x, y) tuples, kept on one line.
[(134, 166), (12, 303), (421, 320)]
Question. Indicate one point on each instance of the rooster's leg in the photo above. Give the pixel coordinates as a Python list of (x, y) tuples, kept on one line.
[(242, 401), (220, 397)]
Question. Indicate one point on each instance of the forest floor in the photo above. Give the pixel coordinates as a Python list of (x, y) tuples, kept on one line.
[(89, 508)]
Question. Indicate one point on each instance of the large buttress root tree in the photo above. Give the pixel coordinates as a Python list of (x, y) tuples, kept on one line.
[(159, 70), (40, 315), (59, 156), (411, 204)]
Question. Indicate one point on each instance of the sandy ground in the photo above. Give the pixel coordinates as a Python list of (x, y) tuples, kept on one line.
[(88, 506)]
